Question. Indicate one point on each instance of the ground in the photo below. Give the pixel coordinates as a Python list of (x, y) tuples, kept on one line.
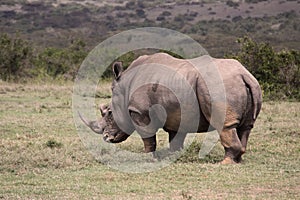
[(42, 156)]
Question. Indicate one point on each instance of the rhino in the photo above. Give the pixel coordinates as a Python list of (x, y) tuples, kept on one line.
[(181, 96)]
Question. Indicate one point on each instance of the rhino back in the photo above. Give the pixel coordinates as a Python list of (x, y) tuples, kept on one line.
[(167, 81)]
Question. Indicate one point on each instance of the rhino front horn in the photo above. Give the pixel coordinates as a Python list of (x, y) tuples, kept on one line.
[(93, 125)]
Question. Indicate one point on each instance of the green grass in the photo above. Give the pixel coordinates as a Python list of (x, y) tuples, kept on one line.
[(42, 156)]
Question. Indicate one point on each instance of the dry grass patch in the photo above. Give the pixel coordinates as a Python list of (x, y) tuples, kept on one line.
[(42, 156)]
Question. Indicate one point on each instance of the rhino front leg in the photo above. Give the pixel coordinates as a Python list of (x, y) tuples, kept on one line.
[(149, 144), (176, 140), (232, 146)]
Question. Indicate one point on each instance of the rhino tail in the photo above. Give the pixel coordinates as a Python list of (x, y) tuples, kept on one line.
[(255, 91)]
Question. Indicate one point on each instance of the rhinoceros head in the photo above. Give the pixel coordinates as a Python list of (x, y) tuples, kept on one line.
[(111, 132), (106, 126)]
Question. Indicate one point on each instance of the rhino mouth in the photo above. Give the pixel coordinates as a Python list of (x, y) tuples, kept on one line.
[(115, 138)]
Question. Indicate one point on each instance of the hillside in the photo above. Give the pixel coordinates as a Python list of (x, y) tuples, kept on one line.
[(215, 24)]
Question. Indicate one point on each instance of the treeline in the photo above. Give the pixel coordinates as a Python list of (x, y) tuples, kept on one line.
[(20, 61), (277, 72)]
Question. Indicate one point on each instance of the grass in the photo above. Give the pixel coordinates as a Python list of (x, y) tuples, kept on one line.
[(42, 156)]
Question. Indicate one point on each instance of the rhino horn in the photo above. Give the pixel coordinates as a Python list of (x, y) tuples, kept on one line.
[(93, 125)]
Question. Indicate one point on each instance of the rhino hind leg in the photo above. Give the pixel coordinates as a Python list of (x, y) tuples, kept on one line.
[(243, 135), (176, 140), (232, 145)]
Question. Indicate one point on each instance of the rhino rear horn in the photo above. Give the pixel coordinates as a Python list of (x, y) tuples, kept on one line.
[(93, 125)]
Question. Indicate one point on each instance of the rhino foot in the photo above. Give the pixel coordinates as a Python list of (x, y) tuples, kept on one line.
[(153, 157), (227, 161)]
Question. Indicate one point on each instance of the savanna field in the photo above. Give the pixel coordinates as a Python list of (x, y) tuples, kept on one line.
[(42, 156)]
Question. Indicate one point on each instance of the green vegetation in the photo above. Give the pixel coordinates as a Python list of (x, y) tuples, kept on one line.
[(53, 144), (277, 72), (19, 60), (57, 62), (42, 156), (15, 57)]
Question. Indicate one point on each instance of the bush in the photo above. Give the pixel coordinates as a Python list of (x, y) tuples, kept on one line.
[(53, 144), (55, 62), (254, 1), (126, 60), (277, 72), (18, 61), (166, 13), (232, 4), (15, 57), (140, 13)]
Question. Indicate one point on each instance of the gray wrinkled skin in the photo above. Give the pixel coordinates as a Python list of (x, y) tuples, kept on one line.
[(181, 96)]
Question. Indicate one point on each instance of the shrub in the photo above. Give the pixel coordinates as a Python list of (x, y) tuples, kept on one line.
[(232, 4), (130, 56), (15, 57), (140, 13), (166, 13), (53, 144), (254, 1), (18, 61), (126, 60), (160, 18), (130, 5), (56, 62), (277, 72)]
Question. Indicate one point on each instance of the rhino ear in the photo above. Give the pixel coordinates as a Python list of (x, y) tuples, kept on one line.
[(117, 69)]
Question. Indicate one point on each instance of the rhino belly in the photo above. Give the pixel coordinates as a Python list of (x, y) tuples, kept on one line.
[(174, 121)]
